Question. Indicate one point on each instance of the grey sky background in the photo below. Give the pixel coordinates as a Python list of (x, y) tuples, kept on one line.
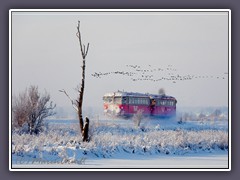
[(45, 52)]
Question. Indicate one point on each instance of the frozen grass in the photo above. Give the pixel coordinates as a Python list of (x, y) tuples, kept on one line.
[(62, 143)]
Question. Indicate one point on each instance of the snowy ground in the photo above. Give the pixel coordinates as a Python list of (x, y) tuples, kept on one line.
[(120, 144), (215, 161)]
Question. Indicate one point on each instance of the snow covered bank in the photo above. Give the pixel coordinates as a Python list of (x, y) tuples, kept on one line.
[(61, 143)]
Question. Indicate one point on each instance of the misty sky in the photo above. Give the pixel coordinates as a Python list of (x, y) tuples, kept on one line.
[(45, 52)]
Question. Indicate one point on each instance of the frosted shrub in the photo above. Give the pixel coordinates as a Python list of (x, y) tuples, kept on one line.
[(29, 109), (63, 143)]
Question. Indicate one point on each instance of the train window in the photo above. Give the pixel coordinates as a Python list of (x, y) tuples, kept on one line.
[(160, 102), (174, 102), (168, 103), (124, 100), (144, 101), (131, 100), (164, 103), (138, 101), (107, 99), (110, 100), (117, 100), (135, 100), (171, 103)]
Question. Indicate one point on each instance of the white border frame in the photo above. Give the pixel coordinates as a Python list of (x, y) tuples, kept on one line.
[(119, 10)]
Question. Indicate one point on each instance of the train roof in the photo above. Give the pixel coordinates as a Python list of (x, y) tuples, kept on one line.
[(136, 94), (123, 93), (154, 96)]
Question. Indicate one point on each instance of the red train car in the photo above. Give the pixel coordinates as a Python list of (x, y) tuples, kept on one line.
[(126, 104)]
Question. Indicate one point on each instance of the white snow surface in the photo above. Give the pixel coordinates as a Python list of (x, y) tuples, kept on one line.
[(191, 161), (119, 144)]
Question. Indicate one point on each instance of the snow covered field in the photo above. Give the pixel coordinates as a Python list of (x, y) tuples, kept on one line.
[(120, 144)]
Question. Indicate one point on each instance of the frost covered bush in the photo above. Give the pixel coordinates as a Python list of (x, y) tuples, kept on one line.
[(62, 141), (29, 109), (202, 116)]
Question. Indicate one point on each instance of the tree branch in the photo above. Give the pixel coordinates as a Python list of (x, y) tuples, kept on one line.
[(73, 105), (84, 52)]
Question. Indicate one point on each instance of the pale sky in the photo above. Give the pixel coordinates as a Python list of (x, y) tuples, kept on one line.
[(45, 52)]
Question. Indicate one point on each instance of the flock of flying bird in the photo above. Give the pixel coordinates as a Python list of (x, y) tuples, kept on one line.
[(169, 73)]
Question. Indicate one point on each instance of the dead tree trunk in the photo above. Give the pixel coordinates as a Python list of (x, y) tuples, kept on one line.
[(84, 52), (78, 104), (85, 130)]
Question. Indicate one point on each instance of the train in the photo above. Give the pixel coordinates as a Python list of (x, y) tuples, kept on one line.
[(126, 104)]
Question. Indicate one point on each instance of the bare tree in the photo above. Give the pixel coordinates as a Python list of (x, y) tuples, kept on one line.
[(77, 104), (31, 108)]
